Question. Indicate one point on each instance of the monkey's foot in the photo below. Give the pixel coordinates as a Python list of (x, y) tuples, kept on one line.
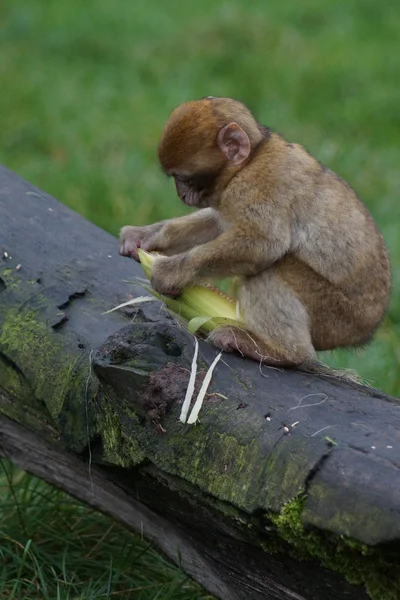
[(234, 339)]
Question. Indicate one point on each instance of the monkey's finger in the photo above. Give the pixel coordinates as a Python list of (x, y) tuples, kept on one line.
[(174, 293), (151, 245), (121, 249), (134, 255), (128, 249)]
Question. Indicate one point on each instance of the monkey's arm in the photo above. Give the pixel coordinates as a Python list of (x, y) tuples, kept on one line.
[(173, 236), (238, 251)]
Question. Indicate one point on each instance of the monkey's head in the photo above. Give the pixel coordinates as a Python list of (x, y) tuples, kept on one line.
[(203, 140)]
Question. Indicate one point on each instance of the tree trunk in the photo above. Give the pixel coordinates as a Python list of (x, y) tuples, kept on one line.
[(287, 487)]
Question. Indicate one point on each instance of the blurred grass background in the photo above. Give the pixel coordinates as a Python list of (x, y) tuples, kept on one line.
[(86, 88)]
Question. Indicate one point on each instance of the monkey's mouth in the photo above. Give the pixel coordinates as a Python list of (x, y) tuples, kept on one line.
[(193, 198), (191, 201)]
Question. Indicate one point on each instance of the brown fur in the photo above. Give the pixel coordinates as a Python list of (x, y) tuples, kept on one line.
[(314, 268)]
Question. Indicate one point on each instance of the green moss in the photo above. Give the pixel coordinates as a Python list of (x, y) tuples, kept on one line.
[(117, 448), (6, 274), (358, 514), (53, 374), (11, 278), (22, 335), (376, 568), (224, 462), (247, 385), (13, 382), (112, 439), (216, 462)]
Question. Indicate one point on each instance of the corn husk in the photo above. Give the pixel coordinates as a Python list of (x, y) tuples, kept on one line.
[(203, 307)]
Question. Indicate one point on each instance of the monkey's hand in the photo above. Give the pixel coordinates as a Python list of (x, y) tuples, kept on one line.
[(170, 274), (132, 238)]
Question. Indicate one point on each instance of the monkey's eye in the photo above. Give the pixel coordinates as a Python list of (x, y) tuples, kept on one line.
[(184, 180)]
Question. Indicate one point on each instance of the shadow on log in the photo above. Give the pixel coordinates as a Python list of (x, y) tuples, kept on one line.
[(287, 488)]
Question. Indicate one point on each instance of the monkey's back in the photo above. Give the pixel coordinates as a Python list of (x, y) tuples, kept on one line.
[(338, 263)]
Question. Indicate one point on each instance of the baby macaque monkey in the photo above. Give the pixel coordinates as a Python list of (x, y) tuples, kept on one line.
[(313, 267)]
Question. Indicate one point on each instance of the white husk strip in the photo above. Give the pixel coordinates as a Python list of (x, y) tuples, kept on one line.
[(238, 316), (201, 395), (191, 384), (137, 300)]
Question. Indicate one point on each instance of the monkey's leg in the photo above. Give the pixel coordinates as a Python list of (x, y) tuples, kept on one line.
[(277, 329)]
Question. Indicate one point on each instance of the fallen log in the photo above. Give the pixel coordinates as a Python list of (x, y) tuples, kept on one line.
[(287, 487)]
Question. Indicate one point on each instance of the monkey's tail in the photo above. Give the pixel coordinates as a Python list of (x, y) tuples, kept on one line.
[(315, 367)]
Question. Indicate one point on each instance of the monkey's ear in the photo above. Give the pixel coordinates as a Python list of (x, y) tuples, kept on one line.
[(234, 143)]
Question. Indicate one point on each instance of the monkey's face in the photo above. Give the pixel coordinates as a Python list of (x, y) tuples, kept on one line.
[(201, 141), (196, 189)]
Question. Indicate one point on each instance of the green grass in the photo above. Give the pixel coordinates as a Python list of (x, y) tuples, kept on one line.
[(53, 548), (87, 86)]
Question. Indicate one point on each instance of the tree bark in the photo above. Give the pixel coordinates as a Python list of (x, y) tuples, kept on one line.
[(288, 487)]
